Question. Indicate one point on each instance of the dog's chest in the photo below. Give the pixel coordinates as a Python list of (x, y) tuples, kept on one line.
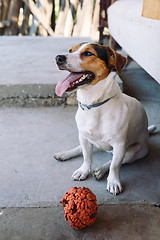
[(90, 126), (87, 123)]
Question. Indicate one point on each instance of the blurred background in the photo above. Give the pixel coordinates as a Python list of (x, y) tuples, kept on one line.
[(51, 17)]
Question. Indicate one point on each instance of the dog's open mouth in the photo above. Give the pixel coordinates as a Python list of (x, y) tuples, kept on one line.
[(74, 80)]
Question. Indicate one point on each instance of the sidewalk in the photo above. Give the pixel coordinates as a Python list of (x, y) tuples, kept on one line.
[(31, 60), (33, 182), (30, 176)]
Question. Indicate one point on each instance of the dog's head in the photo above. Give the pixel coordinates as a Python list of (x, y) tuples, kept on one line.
[(87, 64)]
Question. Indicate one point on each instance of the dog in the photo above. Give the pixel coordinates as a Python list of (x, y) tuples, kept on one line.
[(106, 117)]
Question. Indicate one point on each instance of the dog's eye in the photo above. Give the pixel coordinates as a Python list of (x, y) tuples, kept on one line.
[(87, 54), (70, 50)]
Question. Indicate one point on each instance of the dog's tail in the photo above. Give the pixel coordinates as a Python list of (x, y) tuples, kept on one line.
[(151, 129)]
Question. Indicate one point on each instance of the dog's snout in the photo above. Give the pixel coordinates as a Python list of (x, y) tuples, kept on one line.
[(60, 59)]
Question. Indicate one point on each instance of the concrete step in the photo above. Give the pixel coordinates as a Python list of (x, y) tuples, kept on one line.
[(36, 95), (118, 222)]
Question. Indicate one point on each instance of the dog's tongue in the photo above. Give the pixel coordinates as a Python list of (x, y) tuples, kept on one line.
[(63, 85)]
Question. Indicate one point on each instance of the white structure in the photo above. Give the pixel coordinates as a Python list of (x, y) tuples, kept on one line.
[(137, 35)]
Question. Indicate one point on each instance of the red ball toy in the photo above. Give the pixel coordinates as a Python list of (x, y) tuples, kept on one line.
[(80, 207)]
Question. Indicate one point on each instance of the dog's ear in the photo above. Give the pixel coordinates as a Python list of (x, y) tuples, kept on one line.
[(116, 60)]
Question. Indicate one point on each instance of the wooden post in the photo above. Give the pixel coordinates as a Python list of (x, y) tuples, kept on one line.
[(95, 23), (46, 10), (70, 18), (64, 6), (13, 15), (79, 19), (86, 18), (35, 24), (5, 8)]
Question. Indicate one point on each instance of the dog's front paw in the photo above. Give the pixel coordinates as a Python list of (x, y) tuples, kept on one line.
[(80, 174), (61, 156), (114, 186), (98, 173)]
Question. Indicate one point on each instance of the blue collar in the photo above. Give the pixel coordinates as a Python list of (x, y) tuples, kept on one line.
[(94, 105)]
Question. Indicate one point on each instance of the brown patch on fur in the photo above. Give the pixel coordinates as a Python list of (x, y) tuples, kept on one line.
[(116, 60), (94, 64)]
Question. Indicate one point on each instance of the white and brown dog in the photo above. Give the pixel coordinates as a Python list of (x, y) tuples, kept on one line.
[(106, 117)]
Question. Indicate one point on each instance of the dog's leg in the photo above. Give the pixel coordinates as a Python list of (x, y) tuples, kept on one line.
[(99, 172), (135, 152), (113, 181), (82, 172), (63, 156)]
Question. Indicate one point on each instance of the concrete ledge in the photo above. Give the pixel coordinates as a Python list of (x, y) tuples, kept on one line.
[(36, 95), (31, 95)]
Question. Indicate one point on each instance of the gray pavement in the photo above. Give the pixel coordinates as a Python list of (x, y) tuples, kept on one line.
[(32, 182), (31, 60), (113, 222), (30, 176), (28, 70)]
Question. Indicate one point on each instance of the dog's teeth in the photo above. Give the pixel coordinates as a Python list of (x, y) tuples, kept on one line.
[(87, 75), (83, 77), (80, 80)]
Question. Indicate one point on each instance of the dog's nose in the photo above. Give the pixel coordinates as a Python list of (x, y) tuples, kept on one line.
[(60, 59)]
